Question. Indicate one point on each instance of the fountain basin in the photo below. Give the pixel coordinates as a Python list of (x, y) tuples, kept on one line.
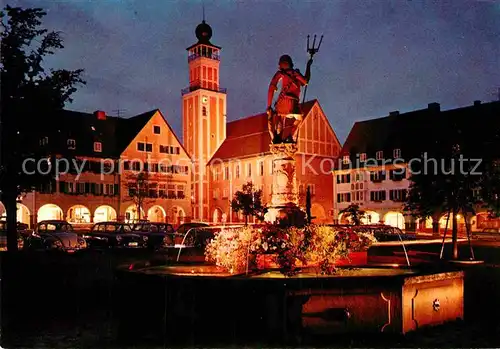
[(200, 301)]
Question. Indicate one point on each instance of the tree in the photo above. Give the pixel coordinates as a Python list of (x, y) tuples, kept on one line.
[(354, 213), (490, 188), (447, 187), (30, 94), (249, 202), (138, 190)]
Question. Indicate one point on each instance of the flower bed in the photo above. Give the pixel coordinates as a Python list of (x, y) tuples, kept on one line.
[(323, 247)]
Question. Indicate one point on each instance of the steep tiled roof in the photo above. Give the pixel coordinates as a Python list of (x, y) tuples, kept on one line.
[(114, 133), (127, 129), (427, 130), (84, 129), (249, 136)]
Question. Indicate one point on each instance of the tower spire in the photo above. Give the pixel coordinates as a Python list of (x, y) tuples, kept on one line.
[(203, 8)]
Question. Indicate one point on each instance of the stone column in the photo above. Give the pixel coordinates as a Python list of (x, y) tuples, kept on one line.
[(284, 189), (284, 197)]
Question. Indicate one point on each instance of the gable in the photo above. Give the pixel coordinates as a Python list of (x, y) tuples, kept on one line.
[(249, 136), (165, 138), (316, 135)]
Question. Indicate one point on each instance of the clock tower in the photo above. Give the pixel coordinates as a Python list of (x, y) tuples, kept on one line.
[(203, 115)]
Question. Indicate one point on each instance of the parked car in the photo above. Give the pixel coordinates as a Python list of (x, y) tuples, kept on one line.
[(114, 235), (381, 232), (3, 237), (384, 232), (197, 234), (56, 235), (159, 234), (490, 231)]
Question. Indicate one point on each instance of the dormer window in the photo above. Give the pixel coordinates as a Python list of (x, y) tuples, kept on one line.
[(345, 159), (379, 155), (396, 153), (97, 147), (71, 144), (362, 157)]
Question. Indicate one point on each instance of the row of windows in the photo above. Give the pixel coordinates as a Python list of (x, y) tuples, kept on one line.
[(378, 195), (88, 188), (154, 167), (344, 197), (357, 186), (71, 143), (375, 176), (164, 149), (379, 155), (157, 190), (397, 195), (344, 178), (394, 175), (302, 190), (195, 74), (98, 145), (237, 171), (216, 193)]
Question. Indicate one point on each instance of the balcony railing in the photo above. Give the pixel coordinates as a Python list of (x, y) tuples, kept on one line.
[(197, 87), (214, 56)]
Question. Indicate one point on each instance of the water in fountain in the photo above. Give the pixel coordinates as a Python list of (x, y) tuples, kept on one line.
[(404, 248), (194, 229), (373, 227), (182, 243)]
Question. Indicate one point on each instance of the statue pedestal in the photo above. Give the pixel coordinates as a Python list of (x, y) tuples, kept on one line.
[(284, 198)]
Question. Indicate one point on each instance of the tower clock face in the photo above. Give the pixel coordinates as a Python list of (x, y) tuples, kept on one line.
[(204, 99)]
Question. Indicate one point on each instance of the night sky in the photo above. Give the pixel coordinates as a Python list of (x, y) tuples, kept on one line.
[(376, 57)]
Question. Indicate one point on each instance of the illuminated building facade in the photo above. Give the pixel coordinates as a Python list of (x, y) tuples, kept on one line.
[(373, 169), (227, 155), (194, 180), (104, 153)]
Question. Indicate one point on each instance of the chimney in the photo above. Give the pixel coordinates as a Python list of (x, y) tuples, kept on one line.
[(394, 113), (100, 115), (477, 103), (434, 106)]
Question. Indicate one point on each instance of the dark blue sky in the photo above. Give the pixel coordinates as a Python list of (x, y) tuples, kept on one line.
[(377, 56)]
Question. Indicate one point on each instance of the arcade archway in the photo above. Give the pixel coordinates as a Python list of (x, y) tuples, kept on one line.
[(78, 214), (50, 212), (318, 212), (156, 214), (104, 213), (371, 217), (132, 214), (395, 219), (217, 216)]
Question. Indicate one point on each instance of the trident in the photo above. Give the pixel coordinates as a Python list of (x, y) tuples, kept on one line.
[(312, 50)]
